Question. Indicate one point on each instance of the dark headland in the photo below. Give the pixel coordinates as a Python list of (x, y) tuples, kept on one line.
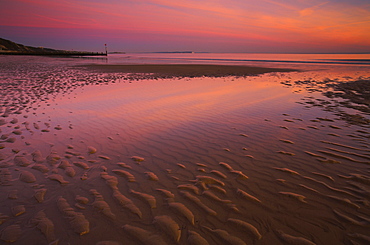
[(11, 48)]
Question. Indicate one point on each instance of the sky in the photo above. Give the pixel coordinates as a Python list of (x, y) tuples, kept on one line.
[(255, 26)]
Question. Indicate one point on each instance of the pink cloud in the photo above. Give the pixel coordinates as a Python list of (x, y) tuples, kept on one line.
[(304, 22)]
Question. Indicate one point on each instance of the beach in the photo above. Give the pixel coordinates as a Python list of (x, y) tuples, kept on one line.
[(185, 70), (94, 153)]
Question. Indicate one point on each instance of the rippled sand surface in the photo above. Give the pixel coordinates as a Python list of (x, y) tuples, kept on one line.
[(91, 157)]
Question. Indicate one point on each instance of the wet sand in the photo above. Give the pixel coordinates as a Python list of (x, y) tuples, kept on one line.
[(93, 157), (185, 70)]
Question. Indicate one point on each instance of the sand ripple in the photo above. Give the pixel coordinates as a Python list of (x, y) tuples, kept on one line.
[(94, 158)]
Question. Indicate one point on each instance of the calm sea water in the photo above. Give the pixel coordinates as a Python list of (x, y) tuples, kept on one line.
[(269, 60), (241, 58)]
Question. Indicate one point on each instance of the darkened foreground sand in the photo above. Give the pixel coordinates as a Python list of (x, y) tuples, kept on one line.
[(98, 158), (186, 70)]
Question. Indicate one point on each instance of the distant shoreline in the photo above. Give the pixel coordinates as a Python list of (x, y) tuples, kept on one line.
[(8, 47), (54, 53)]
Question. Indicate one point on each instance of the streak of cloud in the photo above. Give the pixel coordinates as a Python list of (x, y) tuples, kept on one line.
[(302, 22)]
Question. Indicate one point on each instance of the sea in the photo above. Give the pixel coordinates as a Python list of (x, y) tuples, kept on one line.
[(240, 58), (249, 59)]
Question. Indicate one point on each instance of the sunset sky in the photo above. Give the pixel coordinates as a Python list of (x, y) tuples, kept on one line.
[(278, 26)]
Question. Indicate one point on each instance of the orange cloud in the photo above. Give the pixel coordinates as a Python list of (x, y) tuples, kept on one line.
[(304, 21), (310, 10)]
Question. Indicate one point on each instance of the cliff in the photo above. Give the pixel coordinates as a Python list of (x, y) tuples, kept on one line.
[(6, 45), (11, 48)]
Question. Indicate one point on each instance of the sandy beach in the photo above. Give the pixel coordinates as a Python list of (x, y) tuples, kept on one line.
[(185, 70), (183, 154)]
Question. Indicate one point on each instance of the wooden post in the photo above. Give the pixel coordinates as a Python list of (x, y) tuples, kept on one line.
[(106, 50)]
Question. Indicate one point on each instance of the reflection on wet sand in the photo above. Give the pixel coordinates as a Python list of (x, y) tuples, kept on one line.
[(94, 158)]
